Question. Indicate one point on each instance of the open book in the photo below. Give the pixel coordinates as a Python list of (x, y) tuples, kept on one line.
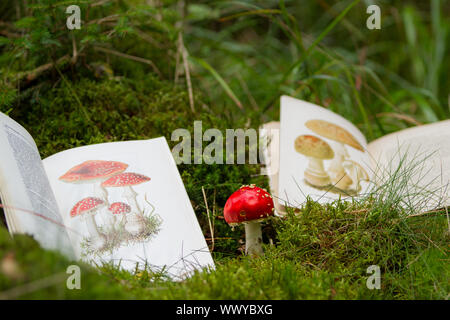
[(317, 153), (121, 202)]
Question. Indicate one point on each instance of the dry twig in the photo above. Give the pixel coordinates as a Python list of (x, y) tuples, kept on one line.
[(130, 57), (184, 55)]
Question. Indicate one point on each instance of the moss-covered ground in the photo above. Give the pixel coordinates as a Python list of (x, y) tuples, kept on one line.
[(242, 57)]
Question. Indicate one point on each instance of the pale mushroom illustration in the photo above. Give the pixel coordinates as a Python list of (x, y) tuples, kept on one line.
[(316, 150), (127, 180), (95, 172), (339, 177), (356, 173), (119, 209), (88, 207), (342, 137)]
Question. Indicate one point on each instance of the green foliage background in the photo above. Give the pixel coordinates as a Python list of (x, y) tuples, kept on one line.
[(122, 76)]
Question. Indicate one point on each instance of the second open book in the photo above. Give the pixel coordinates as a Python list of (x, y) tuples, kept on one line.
[(317, 153), (121, 202)]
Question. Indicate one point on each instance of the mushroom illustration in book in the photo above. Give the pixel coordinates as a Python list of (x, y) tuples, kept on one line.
[(316, 150), (356, 173), (119, 210), (88, 208), (343, 175), (135, 220), (94, 172), (127, 221)]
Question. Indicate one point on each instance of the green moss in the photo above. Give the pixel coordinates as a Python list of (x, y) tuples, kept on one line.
[(33, 264), (321, 253)]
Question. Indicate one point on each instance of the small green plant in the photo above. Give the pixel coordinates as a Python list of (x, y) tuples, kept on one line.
[(119, 237)]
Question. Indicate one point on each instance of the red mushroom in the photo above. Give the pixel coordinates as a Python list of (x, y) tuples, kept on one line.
[(134, 224), (120, 208), (89, 207), (249, 206)]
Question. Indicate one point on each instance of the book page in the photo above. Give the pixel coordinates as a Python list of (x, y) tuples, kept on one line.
[(270, 136), (422, 154), (29, 204), (322, 155), (128, 204)]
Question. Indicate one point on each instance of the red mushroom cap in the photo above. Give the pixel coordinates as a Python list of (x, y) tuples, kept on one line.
[(125, 179), (249, 203), (86, 205), (92, 170), (119, 208)]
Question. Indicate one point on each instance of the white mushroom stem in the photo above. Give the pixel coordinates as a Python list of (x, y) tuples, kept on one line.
[(106, 216), (97, 238), (356, 174), (340, 154), (253, 238), (109, 219), (336, 169), (315, 166), (121, 220), (338, 175), (315, 173), (104, 193), (101, 192), (340, 148), (131, 196)]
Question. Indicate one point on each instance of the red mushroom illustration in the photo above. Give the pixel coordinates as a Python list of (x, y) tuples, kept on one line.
[(94, 171), (89, 207), (249, 206), (127, 180), (120, 209)]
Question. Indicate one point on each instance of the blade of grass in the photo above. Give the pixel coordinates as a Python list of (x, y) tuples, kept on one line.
[(250, 12), (359, 103), (303, 58), (291, 23), (220, 80), (320, 38)]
